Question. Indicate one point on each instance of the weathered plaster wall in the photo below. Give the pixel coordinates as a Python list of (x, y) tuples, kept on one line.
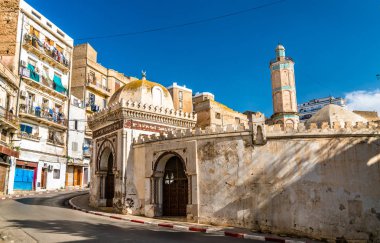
[(318, 187)]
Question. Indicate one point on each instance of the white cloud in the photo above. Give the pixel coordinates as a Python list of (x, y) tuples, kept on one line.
[(364, 100)]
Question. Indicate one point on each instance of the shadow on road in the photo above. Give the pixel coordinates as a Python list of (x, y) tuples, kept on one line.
[(103, 232)]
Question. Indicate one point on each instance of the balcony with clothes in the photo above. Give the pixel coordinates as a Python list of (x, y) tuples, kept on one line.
[(8, 121), (98, 87), (46, 51), (51, 84), (44, 115)]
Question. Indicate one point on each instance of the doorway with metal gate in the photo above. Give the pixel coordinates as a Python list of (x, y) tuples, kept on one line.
[(175, 188)]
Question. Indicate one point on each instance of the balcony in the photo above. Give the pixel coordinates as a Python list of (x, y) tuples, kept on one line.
[(44, 116), (98, 87), (8, 120), (29, 136), (41, 83), (47, 53)]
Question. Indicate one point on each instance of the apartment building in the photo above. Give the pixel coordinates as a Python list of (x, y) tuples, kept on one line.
[(77, 169), (182, 97), (93, 83), (42, 56), (308, 109), (8, 126)]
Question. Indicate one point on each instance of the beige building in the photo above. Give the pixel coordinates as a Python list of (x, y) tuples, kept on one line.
[(93, 83), (283, 90), (182, 97), (212, 113)]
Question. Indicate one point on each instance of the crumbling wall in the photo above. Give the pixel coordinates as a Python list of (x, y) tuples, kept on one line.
[(324, 187)]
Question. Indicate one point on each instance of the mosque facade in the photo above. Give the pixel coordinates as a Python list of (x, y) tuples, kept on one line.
[(317, 179)]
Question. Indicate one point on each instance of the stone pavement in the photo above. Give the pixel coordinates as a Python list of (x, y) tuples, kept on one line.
[(81, 203)]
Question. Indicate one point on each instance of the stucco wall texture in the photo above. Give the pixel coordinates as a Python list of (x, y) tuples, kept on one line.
[(317, 187)]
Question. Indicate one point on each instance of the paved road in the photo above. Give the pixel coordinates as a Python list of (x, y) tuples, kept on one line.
[(46, 218)]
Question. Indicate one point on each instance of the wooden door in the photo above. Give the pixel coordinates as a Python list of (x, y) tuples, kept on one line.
[(3, 174), (43, 178), (175, 188), (75, 177)]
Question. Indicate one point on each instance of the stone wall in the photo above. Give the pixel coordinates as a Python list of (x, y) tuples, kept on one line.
[(319, 181), (8, 31)]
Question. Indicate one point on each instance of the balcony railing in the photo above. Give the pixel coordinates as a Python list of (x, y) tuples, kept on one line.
[(34, 136), (9, 117), (91, 81), (45, 113), (48, 52), (25, 72)]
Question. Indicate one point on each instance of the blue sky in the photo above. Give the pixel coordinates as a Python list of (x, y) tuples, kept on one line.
[(335, 44)]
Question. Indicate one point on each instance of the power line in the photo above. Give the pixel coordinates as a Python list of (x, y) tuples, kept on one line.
[(184, 24)]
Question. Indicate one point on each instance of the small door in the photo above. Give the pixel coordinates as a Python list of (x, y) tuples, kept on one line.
[(43, 178), (23, 179)]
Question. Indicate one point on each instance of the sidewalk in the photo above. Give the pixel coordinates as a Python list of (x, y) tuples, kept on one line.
[(19, 194), (81, 203)]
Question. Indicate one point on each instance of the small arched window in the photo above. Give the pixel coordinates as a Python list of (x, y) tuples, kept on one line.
[(157, 96)]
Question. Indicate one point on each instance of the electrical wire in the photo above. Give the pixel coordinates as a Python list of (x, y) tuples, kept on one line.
[(201, 21)]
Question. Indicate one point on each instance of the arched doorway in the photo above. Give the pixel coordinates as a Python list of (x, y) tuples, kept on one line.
[(175, 188), (110, 183), (105, 169)]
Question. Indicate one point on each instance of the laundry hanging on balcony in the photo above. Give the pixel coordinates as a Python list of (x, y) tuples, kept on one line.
[(58, 84), (33, 74)]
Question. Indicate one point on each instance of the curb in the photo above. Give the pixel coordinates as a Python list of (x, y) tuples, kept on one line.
[(189, 228), (28, 194)]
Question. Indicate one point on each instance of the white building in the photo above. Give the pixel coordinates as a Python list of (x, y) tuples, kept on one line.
[(44, 65), (309, 108), (77, 170)]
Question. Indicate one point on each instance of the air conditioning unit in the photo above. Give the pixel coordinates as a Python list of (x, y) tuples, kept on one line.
[(23, 93), (50, 168), (23, 63)]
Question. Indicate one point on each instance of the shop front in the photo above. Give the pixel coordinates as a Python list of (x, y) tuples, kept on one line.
[(76, 174)]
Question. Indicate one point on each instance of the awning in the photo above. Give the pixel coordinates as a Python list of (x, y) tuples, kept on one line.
[(58, 84)]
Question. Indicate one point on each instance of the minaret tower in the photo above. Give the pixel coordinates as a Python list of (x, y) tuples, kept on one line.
[(283, 90)]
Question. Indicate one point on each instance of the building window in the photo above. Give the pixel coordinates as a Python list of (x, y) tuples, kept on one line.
[(74, 146), (180, 95), (60, 33), (56, 174), (104, 103), (34, 32), (180, 105), (218, 115), (237, 120), (76, 124), (26, 128), (104, 83), (36, 15), (117, 85), (91, 77)]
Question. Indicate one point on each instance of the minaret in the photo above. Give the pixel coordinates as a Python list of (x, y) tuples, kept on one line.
[(283, 89)]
